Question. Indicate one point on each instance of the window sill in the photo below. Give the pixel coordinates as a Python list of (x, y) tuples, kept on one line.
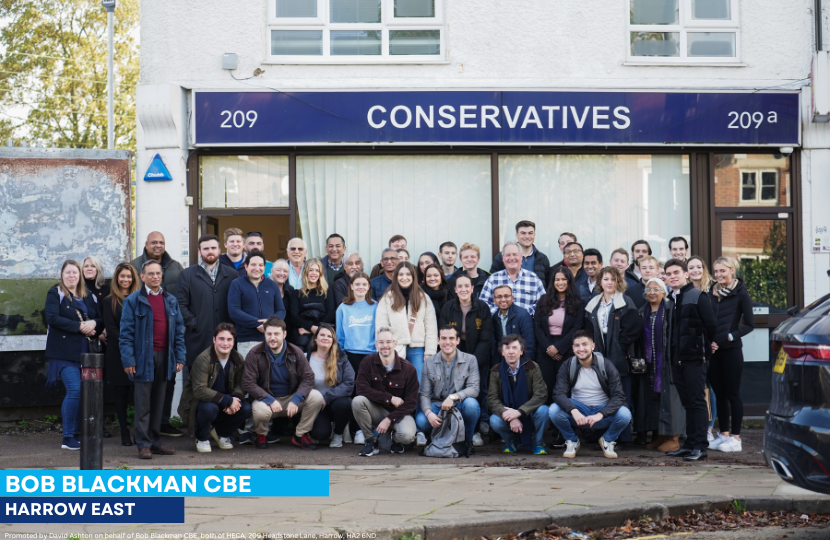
[(383, 61), (664, 63)]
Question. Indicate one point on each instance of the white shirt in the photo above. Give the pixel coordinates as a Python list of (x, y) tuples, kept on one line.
[(223, 362), (150, 291)]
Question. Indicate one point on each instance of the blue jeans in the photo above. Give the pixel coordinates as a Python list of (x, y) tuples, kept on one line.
[(71, 406), (415, 355), (714, 405), (469, 409), (613, 425), (540, 423)]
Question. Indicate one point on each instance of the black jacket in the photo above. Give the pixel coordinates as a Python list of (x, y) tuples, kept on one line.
[(478, 326), (541, 266), (519, 321), (99, 293), (204, 305), (225, 260), (171, 269), (729, 311), (113, 368), (564, 342), (311, 310), (482, 278), (695, 326), (635, 290), (64, 339), (610, 385), (624, 327), (439, 298), (340, 286)]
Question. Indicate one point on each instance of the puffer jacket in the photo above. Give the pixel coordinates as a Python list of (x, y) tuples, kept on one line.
[(424, 331), (733, 313)]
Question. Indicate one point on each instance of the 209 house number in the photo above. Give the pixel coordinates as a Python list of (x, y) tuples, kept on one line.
[(745, 120), (237, 119)]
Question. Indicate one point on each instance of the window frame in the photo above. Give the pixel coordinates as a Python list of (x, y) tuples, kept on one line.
[(685, 26), (388, 22), (759, 188)]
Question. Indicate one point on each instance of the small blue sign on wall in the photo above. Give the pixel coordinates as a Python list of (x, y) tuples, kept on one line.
[(157, 171)]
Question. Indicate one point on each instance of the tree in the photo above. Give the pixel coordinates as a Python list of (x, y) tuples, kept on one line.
[(766, 279), (54, 68)]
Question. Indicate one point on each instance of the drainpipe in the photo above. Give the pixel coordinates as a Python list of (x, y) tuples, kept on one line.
[(819, 24)]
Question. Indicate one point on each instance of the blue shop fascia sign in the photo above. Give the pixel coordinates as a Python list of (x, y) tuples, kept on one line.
[(496, 118)]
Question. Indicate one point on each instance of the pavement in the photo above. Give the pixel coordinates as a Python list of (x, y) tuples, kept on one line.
[(394, 496)]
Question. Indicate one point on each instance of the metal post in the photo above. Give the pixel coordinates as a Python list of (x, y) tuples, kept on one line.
[(92, 412), (110, 85)]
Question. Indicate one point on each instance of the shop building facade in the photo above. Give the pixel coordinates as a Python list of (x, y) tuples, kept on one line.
[(452, 120)]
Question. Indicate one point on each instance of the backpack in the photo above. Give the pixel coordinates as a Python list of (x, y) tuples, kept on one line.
[(598, 358), (448, 438)]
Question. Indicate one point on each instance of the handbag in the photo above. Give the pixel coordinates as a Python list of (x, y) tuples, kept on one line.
[(636, 363), (95, 345)]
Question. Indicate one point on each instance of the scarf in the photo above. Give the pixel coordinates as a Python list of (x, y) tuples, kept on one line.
[(725, 291), (439, 296), (654, 345), (515, 396)]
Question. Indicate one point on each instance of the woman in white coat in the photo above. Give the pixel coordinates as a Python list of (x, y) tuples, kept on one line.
[(410, 314)]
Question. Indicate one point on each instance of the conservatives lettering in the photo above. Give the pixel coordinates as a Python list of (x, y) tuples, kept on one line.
[(478, 116)]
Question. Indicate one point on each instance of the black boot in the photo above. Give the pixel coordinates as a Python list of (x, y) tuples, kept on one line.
[(126, 440)]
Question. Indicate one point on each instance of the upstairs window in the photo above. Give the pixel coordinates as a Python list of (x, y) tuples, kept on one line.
[(759, 188), (356, 31), (683, 32)]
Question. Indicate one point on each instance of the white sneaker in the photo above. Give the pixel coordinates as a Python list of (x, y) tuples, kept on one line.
[(359, 438), (570, 448), (347, 435), (477, 440), (336, 441), (203, 446), (709, 436), (223, 442), (420, 439), (731, 444), (717, 441), (608, 448)]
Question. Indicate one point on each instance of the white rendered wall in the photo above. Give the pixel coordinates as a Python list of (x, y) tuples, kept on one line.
[(522, 44)]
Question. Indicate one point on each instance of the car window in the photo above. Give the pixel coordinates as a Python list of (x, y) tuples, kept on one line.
[(820, 306)]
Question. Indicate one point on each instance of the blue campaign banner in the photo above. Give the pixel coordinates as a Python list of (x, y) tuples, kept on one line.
[(496, 117), (92, 510), (239, 483)]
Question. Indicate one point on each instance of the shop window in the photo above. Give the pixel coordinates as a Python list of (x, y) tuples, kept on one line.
[(368, 199), (608, 201), (356, 31), (752, 180), (683, 31), (243, 181)]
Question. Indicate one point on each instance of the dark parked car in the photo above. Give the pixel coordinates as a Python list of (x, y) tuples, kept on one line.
[(797, 437)]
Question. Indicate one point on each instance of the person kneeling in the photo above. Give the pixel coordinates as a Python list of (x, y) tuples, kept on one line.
[(387, 393), (281, 383), (212, 398), (450, 378), (589, 393), (517, 397)]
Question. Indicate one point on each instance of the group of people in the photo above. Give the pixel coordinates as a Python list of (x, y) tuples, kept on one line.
[(632, 352)]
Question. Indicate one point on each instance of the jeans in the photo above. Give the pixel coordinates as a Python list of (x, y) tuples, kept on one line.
[(469, 409), (540, 423), (415, 355), (713, 406), (71, 406), (614, 425), (210, 415)]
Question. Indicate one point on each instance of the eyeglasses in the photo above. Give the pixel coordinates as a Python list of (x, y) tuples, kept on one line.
[(572, 251), (295, 249), (654, 290), (254, 233), (503, 296), (389, 259), (384, 343)]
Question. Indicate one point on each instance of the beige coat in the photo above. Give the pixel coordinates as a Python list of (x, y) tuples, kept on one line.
[(424, 333)]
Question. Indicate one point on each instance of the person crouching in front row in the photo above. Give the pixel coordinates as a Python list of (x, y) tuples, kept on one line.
[(281, 383), (213, 403), (589, 393), (517, 397)]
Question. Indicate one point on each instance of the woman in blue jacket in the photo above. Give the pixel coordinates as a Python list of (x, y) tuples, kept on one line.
[(74, 317)]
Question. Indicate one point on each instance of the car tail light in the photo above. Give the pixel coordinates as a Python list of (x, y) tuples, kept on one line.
[(816, 351)]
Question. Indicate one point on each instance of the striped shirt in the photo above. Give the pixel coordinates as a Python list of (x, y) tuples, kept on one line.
[(527, 289)]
